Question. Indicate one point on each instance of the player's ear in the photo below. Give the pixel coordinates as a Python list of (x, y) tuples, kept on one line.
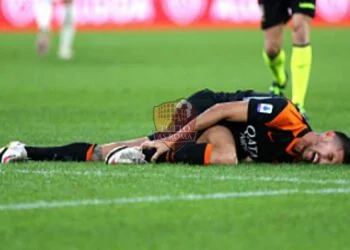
[(329, 134)]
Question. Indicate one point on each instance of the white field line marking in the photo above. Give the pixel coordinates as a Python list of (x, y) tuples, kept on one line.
[(281, 179), (64, 172), (165, 198), (190, 176)]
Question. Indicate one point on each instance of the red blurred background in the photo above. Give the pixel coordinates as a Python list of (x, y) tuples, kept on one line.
[(157, 14)]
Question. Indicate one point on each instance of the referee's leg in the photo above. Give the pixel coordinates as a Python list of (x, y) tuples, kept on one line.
[(303, 12), (274, 16)]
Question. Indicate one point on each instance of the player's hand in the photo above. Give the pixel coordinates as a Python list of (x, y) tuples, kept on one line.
[(160, 146)]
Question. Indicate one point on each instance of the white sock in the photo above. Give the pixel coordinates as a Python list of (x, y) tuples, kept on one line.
[(68, 27), (43, 14)]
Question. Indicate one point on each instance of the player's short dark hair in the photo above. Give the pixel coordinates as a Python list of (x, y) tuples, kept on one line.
[(345, 142)]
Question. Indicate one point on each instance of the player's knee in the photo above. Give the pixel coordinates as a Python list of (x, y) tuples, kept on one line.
[(225, 160), (273, 40), (301, 31), (230, 160), (223, 156), (272, 48)]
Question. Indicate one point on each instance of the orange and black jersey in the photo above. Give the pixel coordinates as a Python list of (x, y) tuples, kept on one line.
[(274, 126)]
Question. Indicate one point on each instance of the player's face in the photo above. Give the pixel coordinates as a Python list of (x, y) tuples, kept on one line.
[(326, 150)]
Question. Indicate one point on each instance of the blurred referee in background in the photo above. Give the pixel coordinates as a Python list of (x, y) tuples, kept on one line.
[(275, 14)]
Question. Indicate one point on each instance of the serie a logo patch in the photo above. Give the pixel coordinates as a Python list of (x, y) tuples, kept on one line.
[(265, 108)]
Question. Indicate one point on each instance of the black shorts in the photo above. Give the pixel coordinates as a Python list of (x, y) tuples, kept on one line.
[(275, 12), (206, 98)]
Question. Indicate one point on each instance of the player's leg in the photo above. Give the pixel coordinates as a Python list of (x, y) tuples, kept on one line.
[(80, 151), (17, 151), (43, 16), (215, 146), (100, 152), (303, 12), (275, 14), (223, 145), (67, 32)]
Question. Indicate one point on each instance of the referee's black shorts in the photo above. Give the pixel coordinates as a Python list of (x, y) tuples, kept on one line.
[(275, 12)]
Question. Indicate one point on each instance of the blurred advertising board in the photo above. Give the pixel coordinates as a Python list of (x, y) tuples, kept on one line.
[(158, 14)]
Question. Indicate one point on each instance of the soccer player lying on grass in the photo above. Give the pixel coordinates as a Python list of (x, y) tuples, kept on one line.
[(211, 128)]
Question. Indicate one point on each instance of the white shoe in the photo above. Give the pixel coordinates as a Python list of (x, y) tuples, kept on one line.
[(65, 53), (43, 43), (125, 155), (15, 151)]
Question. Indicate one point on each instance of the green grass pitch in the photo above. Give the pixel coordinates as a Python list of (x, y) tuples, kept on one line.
[(107, 93)]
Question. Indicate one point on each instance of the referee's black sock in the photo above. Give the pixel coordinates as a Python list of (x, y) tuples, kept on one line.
[(72, 152)]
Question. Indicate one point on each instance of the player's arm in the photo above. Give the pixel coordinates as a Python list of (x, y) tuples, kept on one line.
[(229, 111), (262, 111)]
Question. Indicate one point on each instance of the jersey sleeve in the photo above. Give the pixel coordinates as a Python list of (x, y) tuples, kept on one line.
[(265, 110), (276, 112)]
